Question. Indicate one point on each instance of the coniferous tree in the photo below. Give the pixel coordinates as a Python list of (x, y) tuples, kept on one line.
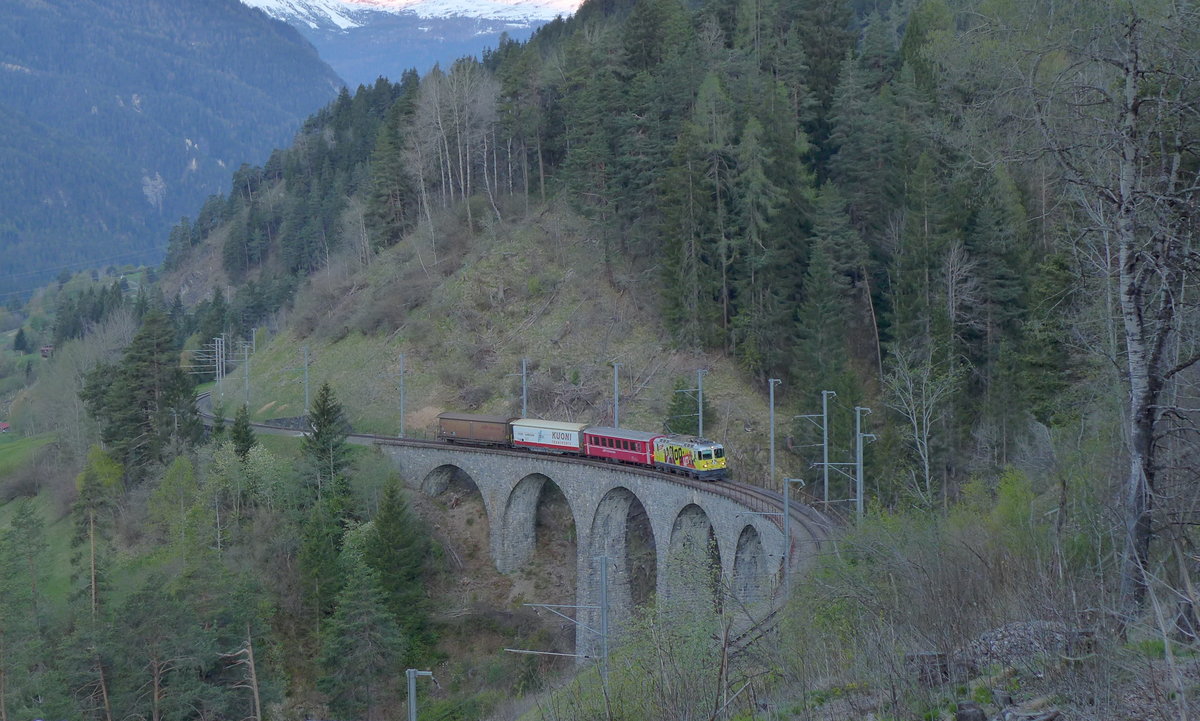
[(878, 54), (361, 646), (864, 162), (760, 309), (241, 434), (825, 29), (325, 450), (822, 321), (712, 120), (145, 400), (788, 63), (391, 204), (320, 545), (396, 548), (90, 660), (21, 342), (21, 640), (98, 486), (162, 649)]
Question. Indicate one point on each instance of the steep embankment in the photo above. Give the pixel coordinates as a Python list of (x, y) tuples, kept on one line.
[(465, 310)]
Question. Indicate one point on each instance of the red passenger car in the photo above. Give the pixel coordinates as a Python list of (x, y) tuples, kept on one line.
[(619, 444)]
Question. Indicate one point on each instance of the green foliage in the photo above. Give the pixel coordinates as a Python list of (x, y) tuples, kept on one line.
[(98, 487), (22, 645), (325, 451), (17, 452), (171, 501), (321, 573), (145, 401), (361, 645), (682, 411), (397, 549), (241, 434), (21, 342)]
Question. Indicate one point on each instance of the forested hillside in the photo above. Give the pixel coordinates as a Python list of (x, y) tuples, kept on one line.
[(974, 217), (118, 118)]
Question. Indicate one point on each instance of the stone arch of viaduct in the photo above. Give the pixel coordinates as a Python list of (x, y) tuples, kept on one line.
[(688, 524)]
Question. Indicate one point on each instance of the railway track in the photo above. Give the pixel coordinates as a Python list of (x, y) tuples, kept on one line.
[(805, 520), (818, 527)]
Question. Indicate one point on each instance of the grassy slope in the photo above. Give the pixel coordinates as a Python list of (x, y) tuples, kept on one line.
[(16, 451), (54, 579), (537, 290)]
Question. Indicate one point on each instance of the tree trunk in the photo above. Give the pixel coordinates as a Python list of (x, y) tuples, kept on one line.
[(1143, 388), (253, 671), (3, 680), (94, 596)]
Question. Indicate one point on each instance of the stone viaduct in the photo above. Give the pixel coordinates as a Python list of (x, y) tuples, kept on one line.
[(696, 528)]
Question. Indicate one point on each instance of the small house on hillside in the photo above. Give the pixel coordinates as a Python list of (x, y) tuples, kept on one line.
[(4, 427)]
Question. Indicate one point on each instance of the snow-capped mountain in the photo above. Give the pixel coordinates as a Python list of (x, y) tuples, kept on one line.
[(346, 14), (313, 13), (365, 39)]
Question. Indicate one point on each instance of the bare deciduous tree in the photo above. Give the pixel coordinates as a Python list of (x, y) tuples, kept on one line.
[(1113, 104)]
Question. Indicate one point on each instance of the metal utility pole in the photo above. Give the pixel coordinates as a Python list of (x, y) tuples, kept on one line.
[(412, 674), (787, 533), (771, 383), (825, 396), (700, 401), (246, 372), (248, 351), (616, 394), (306, 381), (208, 360), (402, 399), (524, 389), (859, 436), (220, 361)]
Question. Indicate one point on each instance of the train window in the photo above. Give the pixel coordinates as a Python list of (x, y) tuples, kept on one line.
[(706, 455), (719, 452)]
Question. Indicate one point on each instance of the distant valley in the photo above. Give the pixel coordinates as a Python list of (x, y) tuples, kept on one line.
[(115, 121), (365, 40)]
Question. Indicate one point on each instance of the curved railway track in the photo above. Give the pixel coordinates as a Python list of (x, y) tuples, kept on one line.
[(805, 519)]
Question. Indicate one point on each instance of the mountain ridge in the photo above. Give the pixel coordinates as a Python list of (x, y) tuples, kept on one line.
[(347, 15), (117, 119), (367, 40)]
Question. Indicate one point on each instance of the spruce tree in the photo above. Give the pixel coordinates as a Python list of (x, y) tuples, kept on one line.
[(361, 647), (241, 434), (325, 450), (760, 308), (145, 400), (320, 544), (396, 549)]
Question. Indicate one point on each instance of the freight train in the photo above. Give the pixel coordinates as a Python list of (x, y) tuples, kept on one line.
[(671, 452)]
